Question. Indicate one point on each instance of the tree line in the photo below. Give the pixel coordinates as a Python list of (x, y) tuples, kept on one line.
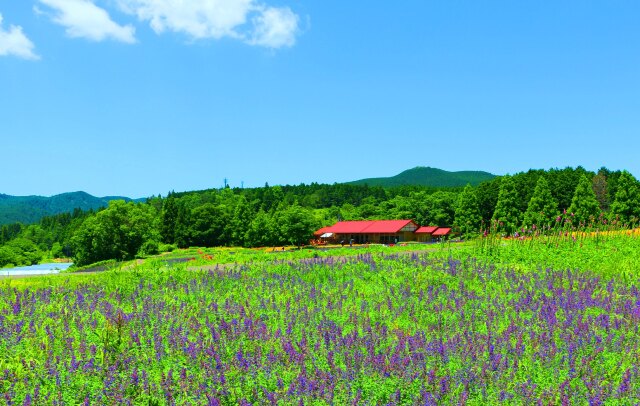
[(279, 215)]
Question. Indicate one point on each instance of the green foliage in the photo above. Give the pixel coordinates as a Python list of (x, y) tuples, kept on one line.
[(260, 216), (243, 214), (507, 216), (626, 206), (20, 251), (8, 257), (56, 250), (543, 208), (584, 208), (118, 232), (207, 225), (260, 231), (563, 183), (600, 188), (550, 320), (295, 225), (487, 195), (169, 219), (426, 176), (467, 215)]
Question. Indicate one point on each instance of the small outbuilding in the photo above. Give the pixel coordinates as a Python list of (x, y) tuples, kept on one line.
[(441, 232), (425, 233)]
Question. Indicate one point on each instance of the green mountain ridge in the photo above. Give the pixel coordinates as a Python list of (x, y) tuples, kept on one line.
[(30, 209), (427, 176)]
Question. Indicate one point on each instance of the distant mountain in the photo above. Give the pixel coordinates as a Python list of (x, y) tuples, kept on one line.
[(426, 176), (30, 209)]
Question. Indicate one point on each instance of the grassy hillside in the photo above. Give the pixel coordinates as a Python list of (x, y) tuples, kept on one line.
[(426, 176), (30, 209)]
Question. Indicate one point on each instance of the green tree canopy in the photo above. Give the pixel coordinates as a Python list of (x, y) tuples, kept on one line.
[(543, 208), (467, 216), (117, 232), (600, 188), (169, 217), (20, 251), (260, 231), (507, 215), (208, 222), (626, 206), (584, 207), (296, 224)]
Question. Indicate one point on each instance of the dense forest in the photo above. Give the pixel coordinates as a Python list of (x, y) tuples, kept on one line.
[(278, 215)]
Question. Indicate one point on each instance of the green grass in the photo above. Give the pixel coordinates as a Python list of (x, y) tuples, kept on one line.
[(484, 322)]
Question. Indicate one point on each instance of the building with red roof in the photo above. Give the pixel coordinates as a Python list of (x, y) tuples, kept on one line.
[(370, 231), (379, 231), (321, 231), (441, 232), (425, 233)]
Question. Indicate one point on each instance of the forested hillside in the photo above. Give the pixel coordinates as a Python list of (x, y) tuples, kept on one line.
[(277, 215), (30, 209), (426, 176)]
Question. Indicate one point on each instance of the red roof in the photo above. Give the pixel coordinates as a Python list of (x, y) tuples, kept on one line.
[(367, 226), (321, 231), (388, 226), (426, 230), (441, 231)]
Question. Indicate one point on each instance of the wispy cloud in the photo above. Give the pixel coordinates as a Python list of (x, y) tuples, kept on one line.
[(14, 42), (83, 19), (246, 20)]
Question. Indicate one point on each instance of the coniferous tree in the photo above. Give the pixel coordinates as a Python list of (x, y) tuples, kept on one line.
[(183, 226), (507, 215), (467, 215), (543, 208), (626, 206), (168, 219), (242, 216), (584, 207), (487, 194), (599, 184)]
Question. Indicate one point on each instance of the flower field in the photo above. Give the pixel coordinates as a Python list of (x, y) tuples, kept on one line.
[(396, 328)]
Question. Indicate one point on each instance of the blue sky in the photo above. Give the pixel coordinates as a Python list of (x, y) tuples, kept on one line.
[(140, 97)]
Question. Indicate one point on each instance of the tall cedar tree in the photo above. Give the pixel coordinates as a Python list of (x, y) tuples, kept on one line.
[(626, 206), (467, 216), (599, 184), (168, 220), (507, 214), (543, 208), (584, 207)]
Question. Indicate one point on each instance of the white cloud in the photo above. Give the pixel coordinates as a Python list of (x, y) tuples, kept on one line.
[(275, 28), (246, 20), (83, 19), (14, 42)]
